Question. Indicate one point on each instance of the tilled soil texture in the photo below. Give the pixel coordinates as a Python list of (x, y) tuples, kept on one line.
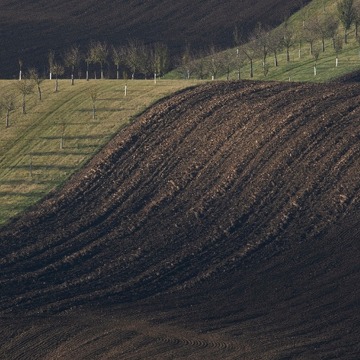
[(223, 222)]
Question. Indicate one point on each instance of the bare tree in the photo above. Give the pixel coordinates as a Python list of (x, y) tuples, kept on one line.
[(262, 37), (135, 57), (346, 13), (338, 45), (239, 62), (117, 55), (7, 102), (288, 39), (58, 70), (187, 61), (310, 32), (98, 54), (315, 55), (275, 44), (37, 79), (24, 87), (162, 58), (214, 62), (357, 17), (251, 51), (72, 58)]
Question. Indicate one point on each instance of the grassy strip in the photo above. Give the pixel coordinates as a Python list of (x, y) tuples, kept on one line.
[(42, 148)]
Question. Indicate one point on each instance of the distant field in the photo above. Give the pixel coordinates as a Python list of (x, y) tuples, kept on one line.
[(42, 148)]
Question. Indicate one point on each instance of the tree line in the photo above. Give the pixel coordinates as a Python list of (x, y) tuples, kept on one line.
[(264, 44), (135, 59)]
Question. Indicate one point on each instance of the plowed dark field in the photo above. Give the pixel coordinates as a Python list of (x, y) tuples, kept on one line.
[(222, 224)]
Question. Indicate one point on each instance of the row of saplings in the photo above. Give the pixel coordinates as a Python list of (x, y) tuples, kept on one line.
[(28, 84)]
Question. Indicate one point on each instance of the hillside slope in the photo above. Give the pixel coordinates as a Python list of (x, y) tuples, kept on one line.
[(250, 191), (30, 29)]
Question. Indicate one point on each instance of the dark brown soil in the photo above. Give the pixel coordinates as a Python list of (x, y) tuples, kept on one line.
[(29, 29), (222, 224)]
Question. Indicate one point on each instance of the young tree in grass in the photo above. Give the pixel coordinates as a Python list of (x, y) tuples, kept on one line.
[(346, 13), (25, 87), (327, 26), (310, 33), (214, 62), (58, 70), (251, 51), (72, 58), (51, 60), (99, 52), (262, 37), (357, 17), (117, 55), (37, 79), (135, 55), (187, 62), (199, 65), (162, 58), (93, 96), (20, 69), (315, 55), (239, 62), (288, 39), (275, 44), (338, 45), (7, 103)]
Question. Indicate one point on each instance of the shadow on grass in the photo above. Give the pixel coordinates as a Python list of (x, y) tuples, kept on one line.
[(101, 110), (78, 137), (35, 167), (64, 152), (29, 195)]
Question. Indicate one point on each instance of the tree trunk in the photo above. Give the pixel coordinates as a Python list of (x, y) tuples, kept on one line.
[(251, 69), (23, 104), (7, 118), (39, 91), (72, 75), (56, 84), (94, 111), (117, 72)]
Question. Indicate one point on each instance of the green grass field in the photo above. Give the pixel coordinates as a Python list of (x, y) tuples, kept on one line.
[(58, 135)]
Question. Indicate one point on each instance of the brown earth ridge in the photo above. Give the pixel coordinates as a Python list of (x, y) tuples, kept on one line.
[(222, 223)]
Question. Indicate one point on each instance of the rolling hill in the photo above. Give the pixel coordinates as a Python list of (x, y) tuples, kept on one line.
[(30, 29), (222, 223)]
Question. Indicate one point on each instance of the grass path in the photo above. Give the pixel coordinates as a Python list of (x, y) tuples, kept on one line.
[(57, 135)]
